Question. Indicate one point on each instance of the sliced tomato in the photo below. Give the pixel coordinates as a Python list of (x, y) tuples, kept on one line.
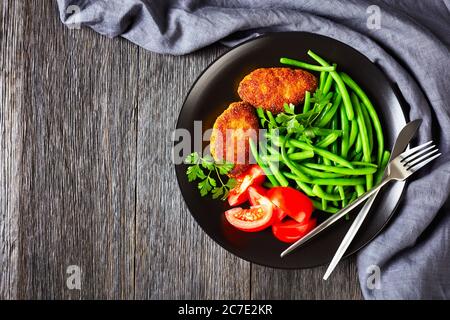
[(291, 231), (253, 176), (292, 202), (254, 219), (257, 196)]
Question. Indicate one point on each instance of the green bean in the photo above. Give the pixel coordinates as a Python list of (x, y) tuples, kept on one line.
[(318, 206), (345, 132), (341, 193), (305, 65), (359, 190), (321, 152), (319, 174), (327, 115), (301, 155), (290, 150), (340, 84), (368, 126), (278, 175), (328, 82), (362, 163), (363, 136), (266, 170), (305, 188), (334, 125), (322, 78), (341, 170), (325, 142), (339, 181), (353, 198), (317, 190), (324, 204), (384, 162), (353, 133), (372, 112), (329, 188), (358, 145), (296, 156), (307, 102), (289, 163), (296, 178)]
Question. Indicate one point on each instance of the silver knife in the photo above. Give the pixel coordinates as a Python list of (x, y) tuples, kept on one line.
[(401, 143), (403, 139)]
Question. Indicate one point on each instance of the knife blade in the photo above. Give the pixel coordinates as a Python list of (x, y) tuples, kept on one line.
[(408, 132)]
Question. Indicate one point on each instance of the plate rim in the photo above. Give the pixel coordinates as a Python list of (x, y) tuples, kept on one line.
[(274, 34)]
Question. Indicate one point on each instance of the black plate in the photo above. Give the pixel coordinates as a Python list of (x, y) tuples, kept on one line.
[(216, 88)]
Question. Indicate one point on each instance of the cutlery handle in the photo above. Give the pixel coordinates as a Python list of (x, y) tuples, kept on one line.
[(362, 198), (350, 235)]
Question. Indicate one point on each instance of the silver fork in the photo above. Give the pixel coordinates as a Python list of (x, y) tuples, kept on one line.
[(412, 162), (401, 168)]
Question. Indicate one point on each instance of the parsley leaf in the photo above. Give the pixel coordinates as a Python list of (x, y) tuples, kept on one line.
[(210, 175), (195, 172)]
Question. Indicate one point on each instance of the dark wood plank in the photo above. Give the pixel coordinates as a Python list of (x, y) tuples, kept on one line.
[(306, 284), (174, 257), (78, 169), (11, 89), (86, 179)]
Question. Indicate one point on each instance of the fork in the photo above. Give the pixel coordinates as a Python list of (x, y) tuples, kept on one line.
[(400, 169)]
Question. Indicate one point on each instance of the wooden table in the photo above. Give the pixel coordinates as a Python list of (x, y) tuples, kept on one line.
[(85, 176)]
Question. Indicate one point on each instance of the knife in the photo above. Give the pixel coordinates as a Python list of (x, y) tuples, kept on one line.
[(404, 137)]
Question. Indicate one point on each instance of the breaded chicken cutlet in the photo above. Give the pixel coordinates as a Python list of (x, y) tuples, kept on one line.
[(270, 88), (230, 135)]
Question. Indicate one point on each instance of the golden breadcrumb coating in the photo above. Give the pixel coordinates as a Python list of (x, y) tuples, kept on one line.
[(270, 88)]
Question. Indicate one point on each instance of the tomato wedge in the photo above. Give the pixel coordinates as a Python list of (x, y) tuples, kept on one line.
[(291, 231), (254, 219), (292, 202), (253, 176), (257, 196)]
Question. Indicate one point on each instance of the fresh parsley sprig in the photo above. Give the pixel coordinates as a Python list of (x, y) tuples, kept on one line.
[(290, 120), (210, 175), (321, 102)]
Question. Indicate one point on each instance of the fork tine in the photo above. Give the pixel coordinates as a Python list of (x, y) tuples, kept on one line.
[(416, 155), (421, 158), (420, 165), (413, 150)]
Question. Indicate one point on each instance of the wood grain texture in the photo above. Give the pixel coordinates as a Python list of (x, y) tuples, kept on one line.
[(86, 178), (174, 258), (78, 170), (306, 284), (11, 91)]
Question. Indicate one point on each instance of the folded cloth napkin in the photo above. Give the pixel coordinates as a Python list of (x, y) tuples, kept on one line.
[(408, 40)]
